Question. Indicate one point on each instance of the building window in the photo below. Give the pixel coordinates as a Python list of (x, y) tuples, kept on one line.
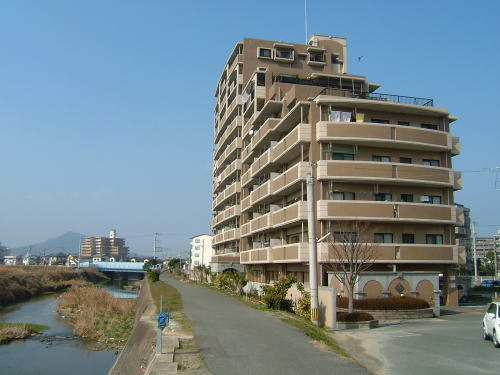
[(404, 123), (294, 238), (434, 239), (302, 57), (383, 197), (343, 196), (429, 126), (382, 237), (431, 162), (261, 79), (265, 53), (385, 159), (408, 238), (405, 160), (345, 236), (284, 53), (196, 255), (197, 240), (342, 156), (406, 197), (317, 57), (379, 121), (197, 248), (431, 199)]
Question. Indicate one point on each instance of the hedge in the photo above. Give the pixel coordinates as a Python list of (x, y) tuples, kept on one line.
[(354, 317), (388, 303)]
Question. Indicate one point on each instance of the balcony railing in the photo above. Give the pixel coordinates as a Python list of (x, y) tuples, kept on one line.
[(401, 99)]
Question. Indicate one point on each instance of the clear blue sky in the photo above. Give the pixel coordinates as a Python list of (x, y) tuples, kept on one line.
[(106, 107)]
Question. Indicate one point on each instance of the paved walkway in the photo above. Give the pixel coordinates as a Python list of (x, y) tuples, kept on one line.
[(235, 339)]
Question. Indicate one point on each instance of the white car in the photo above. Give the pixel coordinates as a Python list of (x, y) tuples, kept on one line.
[(491, 323)]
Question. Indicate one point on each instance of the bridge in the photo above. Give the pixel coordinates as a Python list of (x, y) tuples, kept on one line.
[(128, 267)]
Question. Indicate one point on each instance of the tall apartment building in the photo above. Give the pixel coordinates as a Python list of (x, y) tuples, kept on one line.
[(201, 251), (104, 247), (485, 245), (284, 108)]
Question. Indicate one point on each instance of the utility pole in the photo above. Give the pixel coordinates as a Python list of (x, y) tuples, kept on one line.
[(155, 242), (313, 257), (474, 249)]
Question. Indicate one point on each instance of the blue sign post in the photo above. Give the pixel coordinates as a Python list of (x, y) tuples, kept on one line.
[(163, 320)]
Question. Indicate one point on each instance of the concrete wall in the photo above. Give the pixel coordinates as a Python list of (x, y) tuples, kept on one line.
[(138, 351)]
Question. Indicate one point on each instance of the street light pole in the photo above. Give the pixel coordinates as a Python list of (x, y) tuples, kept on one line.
[(474, 249), (313, 257)]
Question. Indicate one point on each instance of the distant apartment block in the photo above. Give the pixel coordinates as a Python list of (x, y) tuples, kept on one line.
[(283, 108), (485, 245), (104, 247), (201, 251), (4, 250)]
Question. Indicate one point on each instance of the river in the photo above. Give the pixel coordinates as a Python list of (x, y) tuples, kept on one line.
[(63, 356)]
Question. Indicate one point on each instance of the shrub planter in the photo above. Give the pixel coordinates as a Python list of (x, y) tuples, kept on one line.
[(398, 314), (358, 325)]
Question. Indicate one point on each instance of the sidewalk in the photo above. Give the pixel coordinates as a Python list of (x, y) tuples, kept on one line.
[(235, 339)]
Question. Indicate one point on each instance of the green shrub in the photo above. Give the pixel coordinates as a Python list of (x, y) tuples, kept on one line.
[(354, 317), (275, 295), (303, 307), (231, 281), (389, 303), (154, 275)]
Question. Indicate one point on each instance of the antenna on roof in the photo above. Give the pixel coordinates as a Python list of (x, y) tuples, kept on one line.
[(305, 17)]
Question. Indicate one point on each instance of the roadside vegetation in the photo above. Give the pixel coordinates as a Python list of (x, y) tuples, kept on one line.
[(386, 303), (21, 283), (97, 316), (15, 331)]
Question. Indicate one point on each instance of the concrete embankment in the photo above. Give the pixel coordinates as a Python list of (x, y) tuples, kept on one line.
[(139, 350)]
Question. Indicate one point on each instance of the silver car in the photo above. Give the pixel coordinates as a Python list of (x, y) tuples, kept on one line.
[(491, 324)]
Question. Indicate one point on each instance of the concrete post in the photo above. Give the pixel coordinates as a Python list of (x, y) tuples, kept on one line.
[(313, 260), (437, 303), (334, 308)]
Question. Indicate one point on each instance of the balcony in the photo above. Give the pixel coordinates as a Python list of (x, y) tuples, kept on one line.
[(290, 146), (246, 154), (246, 178), (245, 204), (225, 136), (245, 229), (383, 135), (264, 133), (395, 212), (227, 236), (387, 173), (260, 223), (379, 97), (227, 214), (457, 181), (261, 193), (228, 193), (228, 172), (288, 179), (289, 215), (297, 252), (233, 146), (402, 253), (261, 164), (298, 114)]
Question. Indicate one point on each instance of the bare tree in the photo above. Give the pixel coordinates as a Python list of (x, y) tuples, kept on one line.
[(351, 252)]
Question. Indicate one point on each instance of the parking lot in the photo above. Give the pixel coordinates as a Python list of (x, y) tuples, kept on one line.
[(451, 344)]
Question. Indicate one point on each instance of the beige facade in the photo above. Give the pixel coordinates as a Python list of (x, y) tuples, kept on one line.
[(104, 247), (378, 158)]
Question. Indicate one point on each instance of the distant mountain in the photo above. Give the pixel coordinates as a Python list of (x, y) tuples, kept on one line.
[(68, 242)]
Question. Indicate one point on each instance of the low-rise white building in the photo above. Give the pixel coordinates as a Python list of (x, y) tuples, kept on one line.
[(201, 251)]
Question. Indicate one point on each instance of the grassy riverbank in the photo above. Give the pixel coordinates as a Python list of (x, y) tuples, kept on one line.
[(13, 331), (19, 283), (97, 316)]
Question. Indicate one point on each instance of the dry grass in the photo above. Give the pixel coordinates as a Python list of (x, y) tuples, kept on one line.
[(13, 331), (19, 283), (98, 316)]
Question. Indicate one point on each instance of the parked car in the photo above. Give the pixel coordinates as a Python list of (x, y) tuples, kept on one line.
[(490, 283), (491, 324)]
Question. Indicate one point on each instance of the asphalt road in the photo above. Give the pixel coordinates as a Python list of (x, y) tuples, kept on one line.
[(451, 344), (235, 339)]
